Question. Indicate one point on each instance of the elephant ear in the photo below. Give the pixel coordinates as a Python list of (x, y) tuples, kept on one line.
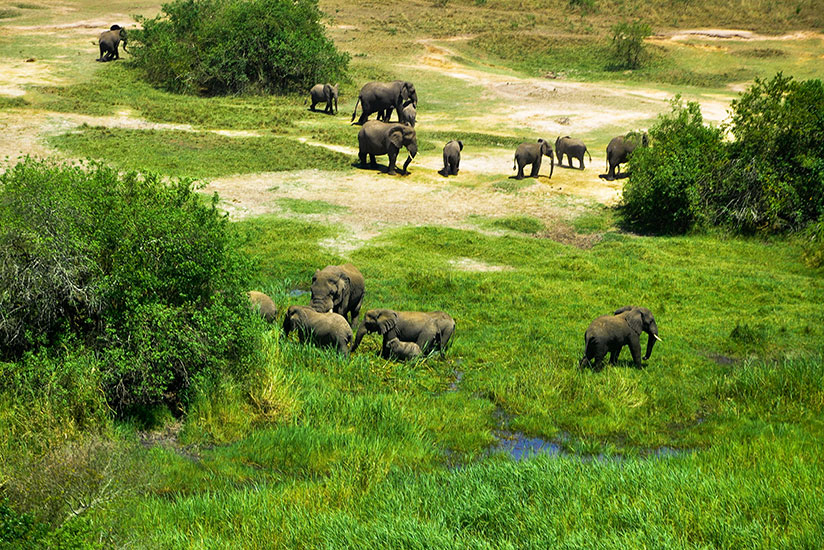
[(327, 90), (620, 310), (635, 321), (396, 136), (387, 321)]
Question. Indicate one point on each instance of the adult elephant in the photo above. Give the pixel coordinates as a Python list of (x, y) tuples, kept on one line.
[(610, 333), (338, 288), (263, 304), (533, 153), (109, 42), (377, 97), (324, 93), (322, 329), (430, 331), (619, 149), (452, 157), (386, 138), (572, 148)]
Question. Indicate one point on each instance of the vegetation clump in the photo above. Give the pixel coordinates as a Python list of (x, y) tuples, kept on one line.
[(627, 46), (769, 178), (141, 274), (218, 47)]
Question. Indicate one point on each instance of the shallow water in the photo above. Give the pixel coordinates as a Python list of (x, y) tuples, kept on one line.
[(295, 292)]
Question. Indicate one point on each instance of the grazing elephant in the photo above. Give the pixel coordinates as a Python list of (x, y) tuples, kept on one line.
[(572, 148), (109, 41), (338, 288), (429, 331), (403, 351), (610, 333), (532, 153), (386, 138), (619, 149), (325, 330), (382, 97), (324, 93), (452, 157), (263, 305)]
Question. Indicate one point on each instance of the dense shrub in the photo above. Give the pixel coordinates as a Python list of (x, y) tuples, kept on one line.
[(663, 194), (142, 273), (214, 47), (770, 177)]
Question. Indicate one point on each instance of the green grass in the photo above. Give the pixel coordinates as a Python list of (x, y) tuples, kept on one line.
[(196, 154), (303, 206), (519, 224)]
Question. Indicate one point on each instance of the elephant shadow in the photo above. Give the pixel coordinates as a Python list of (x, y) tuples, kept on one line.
[(377, 167), (620, 176)]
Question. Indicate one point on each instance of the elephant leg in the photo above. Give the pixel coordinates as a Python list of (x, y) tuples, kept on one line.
[(362, 158), (536, 167), (457, 166), (427, 339), (581, 162), (363, 118), (613, 355), (355, 312), (520, 175), (372, 161), (635, 350), (393, 156)]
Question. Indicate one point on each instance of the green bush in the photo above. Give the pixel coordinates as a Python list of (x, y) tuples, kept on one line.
[(142, 273), (627, 48), (663, 193), (215, 47)]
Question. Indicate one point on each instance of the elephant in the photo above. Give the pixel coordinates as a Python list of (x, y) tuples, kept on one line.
[(378, 97), (430, 331), (338, 288), (619, 149), (572, 148), (403, 351), (386, 138), (324, 93), (109, 41), (410, 115), (452, 157), (325, 330), (263, 304), (610, 333), (532, 153)]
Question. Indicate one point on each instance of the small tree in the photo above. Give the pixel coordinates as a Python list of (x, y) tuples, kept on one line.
[(628, 44)]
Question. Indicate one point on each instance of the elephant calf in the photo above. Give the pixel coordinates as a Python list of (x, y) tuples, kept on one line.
[(109, 41), (263, 304), (610, 333), (572, 148), (452, 157), (403, 351), (324, 93), (328, 330), (532, 153)]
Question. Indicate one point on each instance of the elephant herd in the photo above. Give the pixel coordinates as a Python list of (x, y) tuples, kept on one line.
[(382, 137), (337, 298)]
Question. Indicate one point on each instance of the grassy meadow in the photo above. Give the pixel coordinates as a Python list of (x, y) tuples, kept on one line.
[(715, 443)]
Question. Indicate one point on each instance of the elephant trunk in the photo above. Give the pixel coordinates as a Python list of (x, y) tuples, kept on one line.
[(358, 337), (287, 326), (652, 337), (322, 304)]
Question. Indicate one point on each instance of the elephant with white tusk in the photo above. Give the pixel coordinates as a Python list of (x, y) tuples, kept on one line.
[(610, 333)]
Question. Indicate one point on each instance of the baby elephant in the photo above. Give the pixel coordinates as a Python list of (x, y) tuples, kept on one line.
[(532, 153), (572, 148), (610, 333), (263, 304), (328, 330), (452, 157), (324, 93), (403, 351)]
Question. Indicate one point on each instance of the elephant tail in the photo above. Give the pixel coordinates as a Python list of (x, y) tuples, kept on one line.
[(356, 109), (590, 156)]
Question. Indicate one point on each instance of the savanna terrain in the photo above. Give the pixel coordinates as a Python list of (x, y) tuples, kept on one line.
[(504, 442)]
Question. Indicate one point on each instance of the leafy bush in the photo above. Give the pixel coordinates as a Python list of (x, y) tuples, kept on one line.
[(628, 44), (140, 272), (663, 193), (769, 178), (214, 47)]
